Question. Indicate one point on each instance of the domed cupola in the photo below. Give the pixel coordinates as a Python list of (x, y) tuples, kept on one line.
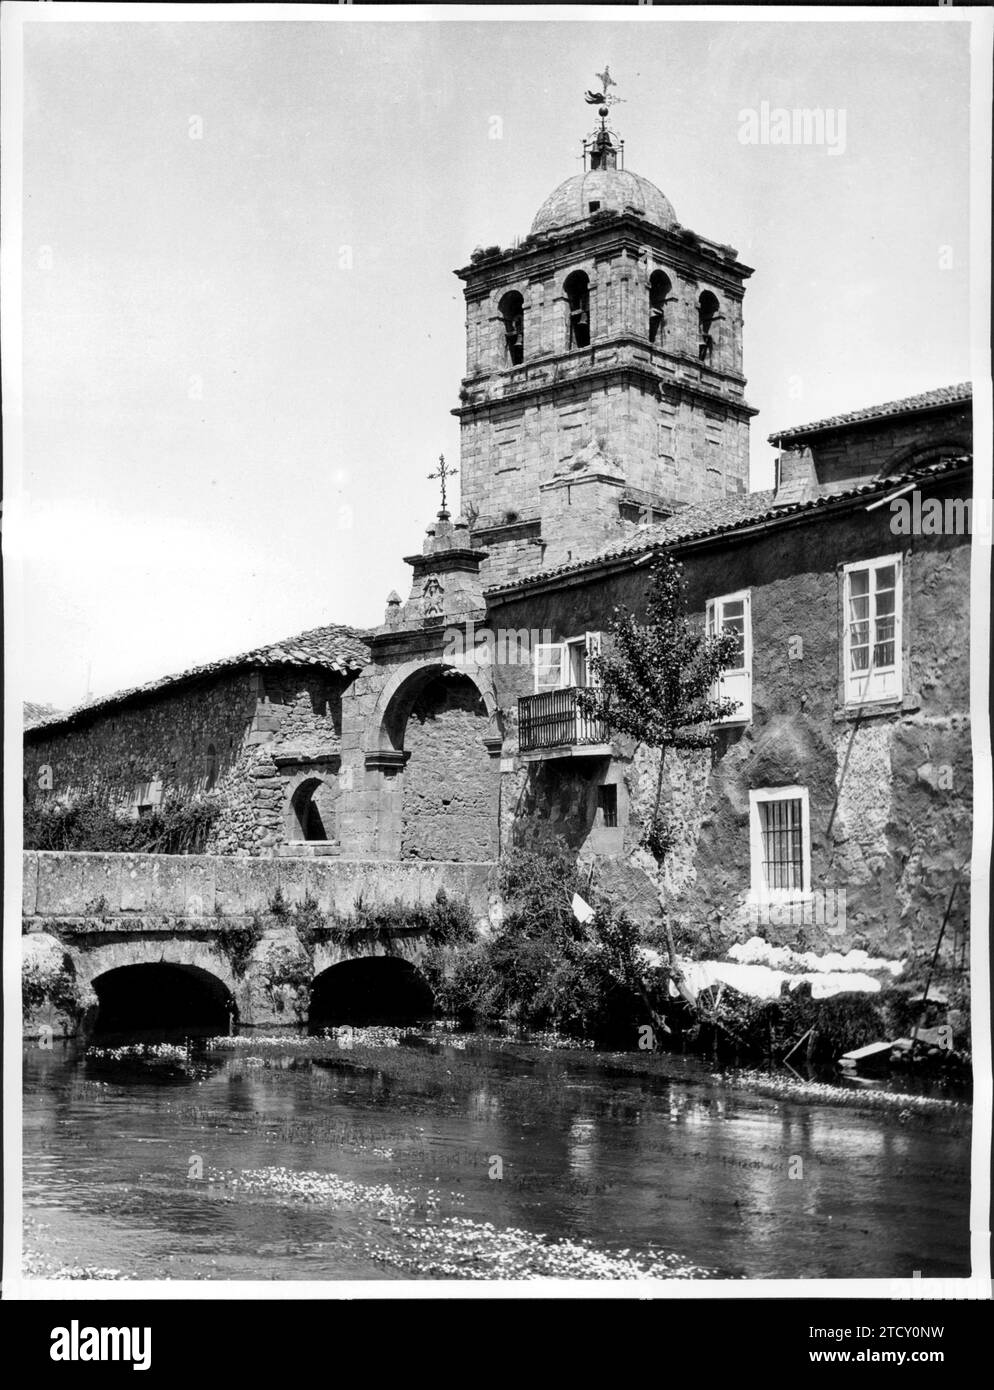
[(597, 190), (603, 186)]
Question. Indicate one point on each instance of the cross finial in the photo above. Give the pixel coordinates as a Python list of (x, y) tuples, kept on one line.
[(442, 472), (602, 96)]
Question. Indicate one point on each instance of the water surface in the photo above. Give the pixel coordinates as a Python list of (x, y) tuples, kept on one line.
[(471, 1157)]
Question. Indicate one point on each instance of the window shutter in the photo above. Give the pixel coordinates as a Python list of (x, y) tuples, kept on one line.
[(593, 643), (734, 611)]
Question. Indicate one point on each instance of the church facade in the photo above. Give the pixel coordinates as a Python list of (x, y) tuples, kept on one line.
[(604, 421)]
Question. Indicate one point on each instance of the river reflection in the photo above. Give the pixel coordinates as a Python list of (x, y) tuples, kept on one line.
[(471, 1157)]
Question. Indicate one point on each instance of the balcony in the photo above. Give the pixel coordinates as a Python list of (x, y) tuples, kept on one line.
[(552, 725)]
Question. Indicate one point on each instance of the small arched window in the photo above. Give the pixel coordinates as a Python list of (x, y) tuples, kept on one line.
[(211, 768), (311, 811), (660, 294), (708, 316), (512, 312), (577, 291)]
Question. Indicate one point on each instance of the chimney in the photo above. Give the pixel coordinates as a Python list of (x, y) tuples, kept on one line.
[(797, 478)]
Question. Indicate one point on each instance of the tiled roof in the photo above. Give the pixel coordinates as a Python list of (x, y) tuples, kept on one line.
[(727, 515), (332, 648), (927, 400)]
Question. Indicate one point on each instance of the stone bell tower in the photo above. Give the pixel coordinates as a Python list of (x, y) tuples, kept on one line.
[(604, 379)]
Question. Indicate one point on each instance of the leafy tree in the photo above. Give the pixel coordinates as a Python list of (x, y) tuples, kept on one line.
[(656, 683)]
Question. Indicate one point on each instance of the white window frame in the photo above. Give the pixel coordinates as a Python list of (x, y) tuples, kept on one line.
[(541, 648), (736, 684), (590, 641), (875, 685), (759, 891)]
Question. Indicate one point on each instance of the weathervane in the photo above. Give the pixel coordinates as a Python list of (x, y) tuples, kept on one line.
[(602, 97), (442, 472)]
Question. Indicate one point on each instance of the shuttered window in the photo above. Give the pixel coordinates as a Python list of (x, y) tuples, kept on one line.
[(733, 614)]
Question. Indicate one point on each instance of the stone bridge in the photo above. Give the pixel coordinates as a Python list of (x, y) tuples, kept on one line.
[(153, 939)]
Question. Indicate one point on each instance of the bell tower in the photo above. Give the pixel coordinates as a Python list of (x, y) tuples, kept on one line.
[(604, 381)]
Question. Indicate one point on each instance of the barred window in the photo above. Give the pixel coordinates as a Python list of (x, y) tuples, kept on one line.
[(783, 860), (781, 850)]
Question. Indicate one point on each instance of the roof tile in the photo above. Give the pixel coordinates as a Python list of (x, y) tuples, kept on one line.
[(926, 400), (334, 647), (724, 516)]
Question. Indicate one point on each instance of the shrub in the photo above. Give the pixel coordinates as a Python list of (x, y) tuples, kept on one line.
[(445, 921), (178, 826), (46, 980), (238, 939), (278, 905), (772, 1026), (310, 924), (286, 976), (541, 968)]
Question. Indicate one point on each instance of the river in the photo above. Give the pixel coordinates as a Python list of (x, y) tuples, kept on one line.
[(382, 1155)]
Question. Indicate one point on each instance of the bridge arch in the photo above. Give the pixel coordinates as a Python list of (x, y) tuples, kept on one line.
[(144, 983), (380, 987)]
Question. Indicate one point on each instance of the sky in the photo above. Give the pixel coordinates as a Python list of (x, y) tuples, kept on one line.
[(242, 337)]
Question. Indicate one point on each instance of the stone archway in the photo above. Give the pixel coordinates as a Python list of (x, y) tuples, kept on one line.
[(369, 989), (174, 970), (161, 995), (385, 726), (432, 740)]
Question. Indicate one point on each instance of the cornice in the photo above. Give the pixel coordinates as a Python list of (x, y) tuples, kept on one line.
[(599, 373)]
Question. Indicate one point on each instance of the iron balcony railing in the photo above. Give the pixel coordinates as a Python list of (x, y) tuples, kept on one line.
[(554, 719)]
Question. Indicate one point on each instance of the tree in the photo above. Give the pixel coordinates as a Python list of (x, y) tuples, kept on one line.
[(657, 682)]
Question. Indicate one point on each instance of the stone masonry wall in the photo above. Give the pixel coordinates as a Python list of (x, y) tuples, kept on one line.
[(219, 736), (677, 426), (854, 454), (163, 739), (890, 793), (450, 781)]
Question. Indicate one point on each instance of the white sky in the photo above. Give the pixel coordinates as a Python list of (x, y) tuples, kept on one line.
[(164, 529)]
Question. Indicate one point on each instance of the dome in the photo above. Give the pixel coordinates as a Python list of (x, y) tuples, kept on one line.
[(614, 190)]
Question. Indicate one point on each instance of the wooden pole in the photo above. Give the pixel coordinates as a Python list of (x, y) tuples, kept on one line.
[(931, 968)]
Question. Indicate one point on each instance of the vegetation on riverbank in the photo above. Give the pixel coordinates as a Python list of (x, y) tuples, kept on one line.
[(540, 967)]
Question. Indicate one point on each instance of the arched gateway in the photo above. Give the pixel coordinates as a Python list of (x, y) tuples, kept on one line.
[(432, 746)]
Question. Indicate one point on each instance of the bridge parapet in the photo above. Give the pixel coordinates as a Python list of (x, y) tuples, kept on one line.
[(68, 884)]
